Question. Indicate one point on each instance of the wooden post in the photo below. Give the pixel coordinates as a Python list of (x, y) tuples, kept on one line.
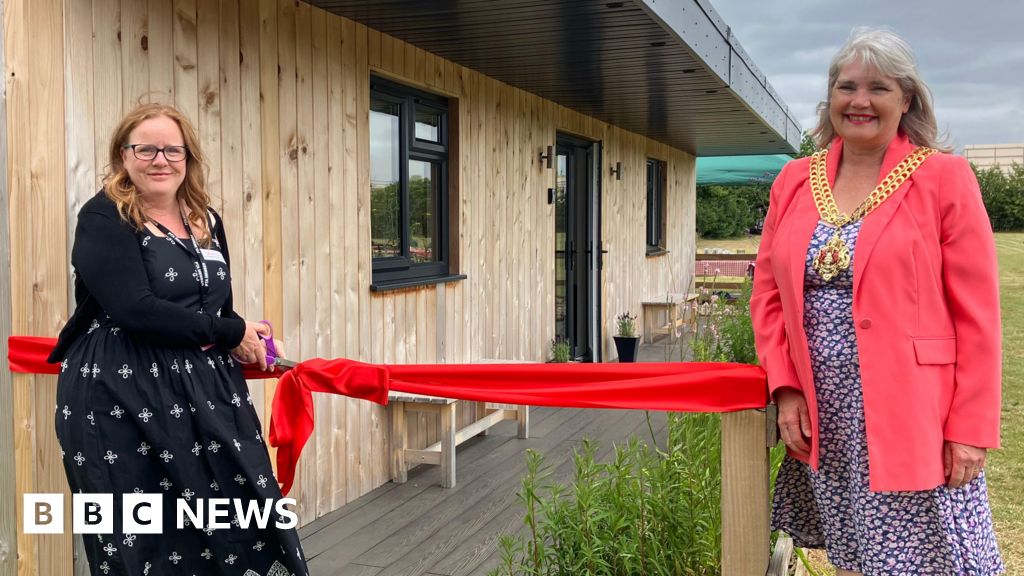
[(745, 505), (8, 525), (448, 426), (523, 418), (399, 442), (479, 411), (782, 556)]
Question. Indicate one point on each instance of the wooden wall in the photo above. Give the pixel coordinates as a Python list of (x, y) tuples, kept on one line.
[(8, 528), (34, 72), (279, 91)]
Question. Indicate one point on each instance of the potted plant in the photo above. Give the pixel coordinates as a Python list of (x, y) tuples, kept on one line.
[(627, 342), (560, 350)]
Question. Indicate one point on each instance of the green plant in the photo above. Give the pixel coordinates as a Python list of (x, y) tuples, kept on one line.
[(646, 511), (560, 350), (729, 211), (649, 510), (721, 330), (807, 146), (625, 325), (1003, 195)]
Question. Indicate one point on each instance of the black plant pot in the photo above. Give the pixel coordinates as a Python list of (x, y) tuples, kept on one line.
[(627, 347)]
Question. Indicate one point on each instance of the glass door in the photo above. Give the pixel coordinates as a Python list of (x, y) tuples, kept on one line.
[(575, 272)]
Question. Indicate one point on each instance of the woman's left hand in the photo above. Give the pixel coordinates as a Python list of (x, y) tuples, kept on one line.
[(963, 463)]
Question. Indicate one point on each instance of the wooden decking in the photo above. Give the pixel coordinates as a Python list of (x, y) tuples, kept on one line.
[(420, 528)]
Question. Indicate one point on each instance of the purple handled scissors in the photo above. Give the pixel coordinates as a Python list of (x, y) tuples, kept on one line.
[(274, 360)]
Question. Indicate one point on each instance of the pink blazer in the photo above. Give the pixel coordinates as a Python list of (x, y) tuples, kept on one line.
[(925, 310)]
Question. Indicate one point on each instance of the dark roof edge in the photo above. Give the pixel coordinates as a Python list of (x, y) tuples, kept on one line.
[(697, 25)]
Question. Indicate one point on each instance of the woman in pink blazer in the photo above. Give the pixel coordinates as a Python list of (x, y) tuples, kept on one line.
[(876, 315)]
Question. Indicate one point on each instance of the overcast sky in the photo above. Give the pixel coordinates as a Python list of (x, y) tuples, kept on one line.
[(970, 53)]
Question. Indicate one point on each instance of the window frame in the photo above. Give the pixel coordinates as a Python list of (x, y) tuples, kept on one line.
[(657, 207), (400, 271)]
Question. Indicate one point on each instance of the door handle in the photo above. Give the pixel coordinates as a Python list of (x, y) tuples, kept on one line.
[(600, 257)]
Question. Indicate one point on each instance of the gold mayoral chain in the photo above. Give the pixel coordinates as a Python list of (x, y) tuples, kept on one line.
[(834, 256)]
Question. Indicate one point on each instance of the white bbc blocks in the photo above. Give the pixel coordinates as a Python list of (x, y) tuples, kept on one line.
[(43, 514), (142, 514), (92, 514)]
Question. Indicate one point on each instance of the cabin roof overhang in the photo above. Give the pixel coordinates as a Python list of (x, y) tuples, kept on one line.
[(670, 70)]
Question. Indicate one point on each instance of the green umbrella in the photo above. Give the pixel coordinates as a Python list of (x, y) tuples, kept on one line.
[(740, 169)]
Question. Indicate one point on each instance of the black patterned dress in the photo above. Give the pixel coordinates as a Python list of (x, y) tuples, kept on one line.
[(133, 416), (937, 532)]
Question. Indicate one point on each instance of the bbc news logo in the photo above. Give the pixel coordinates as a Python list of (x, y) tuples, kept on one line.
[(143, 513)]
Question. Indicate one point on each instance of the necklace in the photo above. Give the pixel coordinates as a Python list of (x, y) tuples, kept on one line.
[(834, 256)]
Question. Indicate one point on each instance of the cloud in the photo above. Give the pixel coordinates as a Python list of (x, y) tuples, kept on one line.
[(970, 55)]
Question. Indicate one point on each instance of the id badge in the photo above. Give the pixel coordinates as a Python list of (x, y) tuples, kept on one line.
[(212, 256)]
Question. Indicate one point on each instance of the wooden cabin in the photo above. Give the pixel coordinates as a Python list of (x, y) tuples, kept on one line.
[(411, 181)]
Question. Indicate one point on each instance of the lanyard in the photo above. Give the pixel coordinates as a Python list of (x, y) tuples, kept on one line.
[(198, 261)]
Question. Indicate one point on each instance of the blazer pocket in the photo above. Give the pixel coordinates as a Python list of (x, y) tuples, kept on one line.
[(935, 350)]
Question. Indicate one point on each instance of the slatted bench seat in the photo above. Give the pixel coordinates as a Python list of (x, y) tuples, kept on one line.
[(442, 453), (670, 307)]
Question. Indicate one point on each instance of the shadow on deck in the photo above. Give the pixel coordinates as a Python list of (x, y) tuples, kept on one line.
[(420, 528)]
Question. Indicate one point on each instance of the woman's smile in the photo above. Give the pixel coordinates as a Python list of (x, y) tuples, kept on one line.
[(859, 118)]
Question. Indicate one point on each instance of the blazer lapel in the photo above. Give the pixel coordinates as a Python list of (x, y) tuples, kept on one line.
[(803, 219), (875, 222)]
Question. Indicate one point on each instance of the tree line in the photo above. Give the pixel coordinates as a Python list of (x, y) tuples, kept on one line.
[(1003, 194), (732, 211)]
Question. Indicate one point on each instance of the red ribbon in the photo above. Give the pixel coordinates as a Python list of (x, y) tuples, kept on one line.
[(669, 386), (28, 354)]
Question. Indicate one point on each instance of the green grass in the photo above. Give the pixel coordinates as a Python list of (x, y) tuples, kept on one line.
[(748, 244), (1005, 468)]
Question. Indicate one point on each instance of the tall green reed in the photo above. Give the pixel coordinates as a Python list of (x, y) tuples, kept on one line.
[(646, 511)]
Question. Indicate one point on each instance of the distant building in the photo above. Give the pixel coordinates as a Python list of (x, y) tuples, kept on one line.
[(988, 155)]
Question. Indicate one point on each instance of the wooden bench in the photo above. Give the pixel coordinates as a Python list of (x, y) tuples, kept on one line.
[(442, 453), (672, 307)]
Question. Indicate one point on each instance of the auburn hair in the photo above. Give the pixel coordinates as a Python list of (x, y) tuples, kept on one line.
[(119, 187)]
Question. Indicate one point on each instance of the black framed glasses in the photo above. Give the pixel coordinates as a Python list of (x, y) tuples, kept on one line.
[(149, 152)]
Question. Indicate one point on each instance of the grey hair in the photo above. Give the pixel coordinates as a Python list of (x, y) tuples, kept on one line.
[(884, 51)]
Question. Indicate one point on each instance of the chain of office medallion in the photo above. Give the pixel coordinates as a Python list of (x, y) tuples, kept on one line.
[(826, 203)]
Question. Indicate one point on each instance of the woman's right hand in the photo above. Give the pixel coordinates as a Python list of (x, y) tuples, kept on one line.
[(794, 421), (253, 350)]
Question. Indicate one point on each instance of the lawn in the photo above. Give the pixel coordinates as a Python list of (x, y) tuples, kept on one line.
[(1005, 469), (748, 244)]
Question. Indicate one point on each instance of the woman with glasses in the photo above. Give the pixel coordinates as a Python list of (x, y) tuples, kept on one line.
[(151, 398)]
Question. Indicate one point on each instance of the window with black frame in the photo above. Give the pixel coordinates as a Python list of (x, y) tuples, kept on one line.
[(655, 207), (408, 185)]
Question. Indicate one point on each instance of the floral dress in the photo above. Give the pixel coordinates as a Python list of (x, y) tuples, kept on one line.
[(134, 417), (940, 532)]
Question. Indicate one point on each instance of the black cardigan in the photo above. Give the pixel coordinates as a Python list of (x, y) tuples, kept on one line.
[(110, 278)]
